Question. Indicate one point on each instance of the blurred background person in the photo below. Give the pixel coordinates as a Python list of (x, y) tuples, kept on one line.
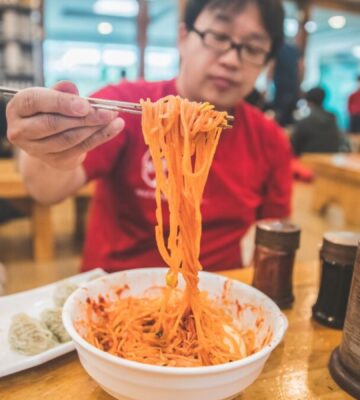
[(286, 74), (256, 99), (354, 109), (317, 132)]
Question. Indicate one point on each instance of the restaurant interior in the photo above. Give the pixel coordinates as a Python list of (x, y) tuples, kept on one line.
[(94, 43)]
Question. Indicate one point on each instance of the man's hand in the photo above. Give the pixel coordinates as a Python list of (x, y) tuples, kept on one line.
[(57, 126)]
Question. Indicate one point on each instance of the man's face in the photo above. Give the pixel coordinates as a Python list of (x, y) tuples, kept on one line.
[(221, 78)]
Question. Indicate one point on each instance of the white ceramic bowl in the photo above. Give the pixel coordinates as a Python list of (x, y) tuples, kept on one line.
[(129, 380)]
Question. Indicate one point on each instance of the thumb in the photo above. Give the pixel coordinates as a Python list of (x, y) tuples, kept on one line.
[(66, 87)]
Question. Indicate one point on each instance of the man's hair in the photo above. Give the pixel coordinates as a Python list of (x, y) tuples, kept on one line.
[(316, 96), (272, 14)]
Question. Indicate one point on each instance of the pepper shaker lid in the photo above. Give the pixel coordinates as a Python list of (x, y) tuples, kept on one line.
[(340, 247), (277, 234)]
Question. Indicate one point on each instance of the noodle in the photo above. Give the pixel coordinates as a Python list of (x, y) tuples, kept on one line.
[(175, 328)]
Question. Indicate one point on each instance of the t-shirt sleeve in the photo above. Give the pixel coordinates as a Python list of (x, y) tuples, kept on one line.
[(101, 160), (278, 187)]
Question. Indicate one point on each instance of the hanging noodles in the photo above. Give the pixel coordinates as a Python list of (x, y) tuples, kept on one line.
[(174, 328)]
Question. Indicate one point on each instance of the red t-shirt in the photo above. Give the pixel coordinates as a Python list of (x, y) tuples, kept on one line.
[(250, 178)]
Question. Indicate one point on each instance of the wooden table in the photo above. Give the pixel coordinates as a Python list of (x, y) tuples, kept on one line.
[(354, 140), (337, 180), (296, 370), (12, 188)]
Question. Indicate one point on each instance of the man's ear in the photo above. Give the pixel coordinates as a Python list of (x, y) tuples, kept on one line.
[(182, 35)]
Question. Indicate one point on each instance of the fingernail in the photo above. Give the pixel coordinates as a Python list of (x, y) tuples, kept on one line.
[(80, 107)]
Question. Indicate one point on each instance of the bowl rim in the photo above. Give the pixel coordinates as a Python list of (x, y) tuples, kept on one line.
[(168, 370)]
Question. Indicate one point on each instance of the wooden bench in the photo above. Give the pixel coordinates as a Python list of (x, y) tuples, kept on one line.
[(13, 189), (337, 180)]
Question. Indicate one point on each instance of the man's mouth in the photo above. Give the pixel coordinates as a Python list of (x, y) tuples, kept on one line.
[(222, 83)]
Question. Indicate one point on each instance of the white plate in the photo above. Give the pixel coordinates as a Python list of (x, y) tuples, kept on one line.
[(32, 302)]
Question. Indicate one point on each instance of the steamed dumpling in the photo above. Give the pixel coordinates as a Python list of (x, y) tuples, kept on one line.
[(62, 291), (28, 336), (51, 318)]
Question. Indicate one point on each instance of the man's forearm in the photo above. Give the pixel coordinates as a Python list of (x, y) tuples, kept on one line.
[(47, 184)]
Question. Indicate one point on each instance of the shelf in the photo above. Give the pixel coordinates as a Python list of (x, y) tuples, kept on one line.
[(24, 44), (19, 9), (27, 46), (19, 77)]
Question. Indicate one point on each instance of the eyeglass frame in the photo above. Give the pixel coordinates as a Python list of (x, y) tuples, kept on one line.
[(232, 45)]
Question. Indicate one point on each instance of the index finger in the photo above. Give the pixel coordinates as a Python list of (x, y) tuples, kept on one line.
[(33, 101)]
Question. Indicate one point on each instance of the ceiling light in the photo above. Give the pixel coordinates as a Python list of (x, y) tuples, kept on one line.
[(118, 8), (311, 26), (159, 60), (119, 58), (105, 28), (80, 56), (337, 21), (291, 27), (356, 51)]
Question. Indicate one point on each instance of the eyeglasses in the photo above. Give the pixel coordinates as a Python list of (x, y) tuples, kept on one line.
[(223, 43)]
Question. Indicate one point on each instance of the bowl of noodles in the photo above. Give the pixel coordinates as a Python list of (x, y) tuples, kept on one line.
[(175, 333), (140, 341)]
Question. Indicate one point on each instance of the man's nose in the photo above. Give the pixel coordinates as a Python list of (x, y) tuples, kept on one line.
[(231, 57)]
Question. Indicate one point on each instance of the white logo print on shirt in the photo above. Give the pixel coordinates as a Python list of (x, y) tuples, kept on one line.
[(148, 176)]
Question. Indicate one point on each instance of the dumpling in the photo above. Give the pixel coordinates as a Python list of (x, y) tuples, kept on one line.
[(51, 318), (28, 336), (62, 291)]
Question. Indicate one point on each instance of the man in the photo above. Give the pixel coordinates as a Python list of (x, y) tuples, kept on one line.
[(354, 109), (224, 45), (286, 75), (318, 131)]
